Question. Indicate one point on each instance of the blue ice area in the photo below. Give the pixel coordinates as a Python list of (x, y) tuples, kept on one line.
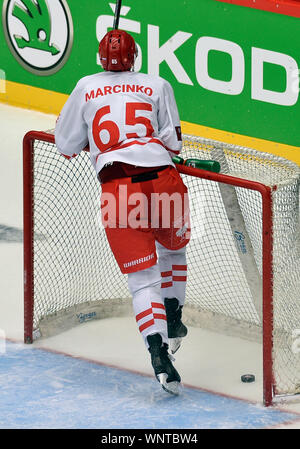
[(42, 389)]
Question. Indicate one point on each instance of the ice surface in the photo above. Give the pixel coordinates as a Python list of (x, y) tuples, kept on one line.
[(206, 360)]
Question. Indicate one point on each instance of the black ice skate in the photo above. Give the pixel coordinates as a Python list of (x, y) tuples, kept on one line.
[(176, 329), (164, 371)]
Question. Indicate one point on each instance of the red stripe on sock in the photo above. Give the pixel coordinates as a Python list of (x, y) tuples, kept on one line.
[(166, 284), (166, 274), (179, 267), (158, 305), (143, 314), (146, 325), (159, 316), (179, 278)]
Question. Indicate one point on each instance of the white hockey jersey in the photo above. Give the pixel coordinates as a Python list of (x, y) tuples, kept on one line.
[(123, 116)]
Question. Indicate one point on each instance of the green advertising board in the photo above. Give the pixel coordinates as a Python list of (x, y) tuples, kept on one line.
[(232, 68)]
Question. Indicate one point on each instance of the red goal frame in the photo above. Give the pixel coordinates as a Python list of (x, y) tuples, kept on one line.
[(269, 387)]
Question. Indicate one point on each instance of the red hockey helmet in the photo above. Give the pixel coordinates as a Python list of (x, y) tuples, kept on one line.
[(117, 51)]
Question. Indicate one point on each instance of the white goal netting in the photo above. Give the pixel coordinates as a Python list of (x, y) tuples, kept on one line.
[(76, 278)]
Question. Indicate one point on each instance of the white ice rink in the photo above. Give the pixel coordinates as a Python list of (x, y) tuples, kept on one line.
[(208, 361)]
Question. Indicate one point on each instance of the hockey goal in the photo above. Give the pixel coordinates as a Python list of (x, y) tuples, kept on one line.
[(244, 270)]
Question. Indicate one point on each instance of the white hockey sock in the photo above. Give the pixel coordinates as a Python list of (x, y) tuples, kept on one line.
[(147, 302), (173, 267)]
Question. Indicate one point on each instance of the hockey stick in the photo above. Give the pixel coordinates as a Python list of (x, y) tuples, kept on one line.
[(117, 14)]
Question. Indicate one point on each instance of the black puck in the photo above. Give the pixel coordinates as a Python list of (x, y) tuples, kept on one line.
[(247, 378)]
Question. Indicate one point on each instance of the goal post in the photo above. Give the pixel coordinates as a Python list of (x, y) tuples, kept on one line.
[(267, 243), (28, 226), (70, 275)]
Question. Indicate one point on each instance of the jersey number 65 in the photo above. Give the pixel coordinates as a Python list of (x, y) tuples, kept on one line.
[(113, 129)]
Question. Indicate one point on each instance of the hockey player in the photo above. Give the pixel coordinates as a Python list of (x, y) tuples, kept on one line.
[(131, 124)]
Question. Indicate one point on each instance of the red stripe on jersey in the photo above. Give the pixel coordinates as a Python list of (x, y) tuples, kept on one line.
[(179, 267), (128, 144), (166, 284), (165, 274), (136, 142), (173, 151), (179, 278), (146, 325), (143, 314)]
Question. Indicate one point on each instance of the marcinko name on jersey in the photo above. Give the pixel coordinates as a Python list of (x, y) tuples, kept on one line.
[(117, 89)]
